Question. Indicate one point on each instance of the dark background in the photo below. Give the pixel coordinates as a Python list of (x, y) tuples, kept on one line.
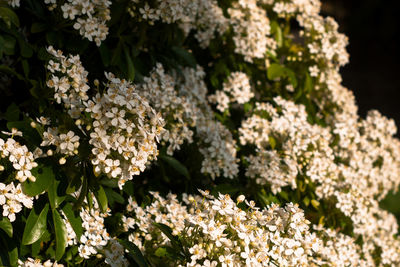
[(373, 74)]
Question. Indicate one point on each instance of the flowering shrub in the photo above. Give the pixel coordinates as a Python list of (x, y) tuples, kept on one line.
[(187, 133)]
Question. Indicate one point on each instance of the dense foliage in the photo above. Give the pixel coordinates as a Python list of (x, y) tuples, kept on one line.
[(187, 133)]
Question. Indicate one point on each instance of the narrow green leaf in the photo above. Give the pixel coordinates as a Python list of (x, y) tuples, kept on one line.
[(35, 226), (308, 84), (101, 198), (104, 54), (74, 219), (179, 167), (131, 68), (134, 251), (315, 203), (61, 235), (306, 201), (44, 178), (277, 31), (168, 232), (8, 248), (25, 67), (272, 141), (6, 225), (52, 191)]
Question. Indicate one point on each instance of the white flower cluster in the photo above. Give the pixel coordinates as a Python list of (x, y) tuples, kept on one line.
[(19, 156), (37, 263), (288, 127), (236, 89), (66, 144), (69, 81), (95, 239), (217, 232), (182, 101), (205, 16), (360, 169), (13, 3), (12, 199), (124, 127), (216, 142), (95, 236), (114, 254), (159, 90), (339, 249), (89, 16), (251, 28), (124, 123)]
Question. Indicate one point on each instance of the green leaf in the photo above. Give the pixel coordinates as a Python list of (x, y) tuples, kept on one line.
[(25, 67), (25, 48), (134, 251), (38, 27), (104, 54), (8, 246), (277, 32), (44, 178), (74, 219), (35, 226), (101, 198), (161, 252), (315, 203), (131, 68), (9, 16), (306, 201), (12, 112), (272, 141), (179, 167), (113, 196), (225, 189), (52, 191), (186, 57), (275, 71), (61, 235), (9, 44), (6, 225), (308, 84), (168, 232)]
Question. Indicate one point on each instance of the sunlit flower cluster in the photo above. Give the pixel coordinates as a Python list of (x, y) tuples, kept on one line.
[(69, 81), (89, 17), (95, 239), (95, 236), (30, 262), (205, 16), (216, 231), (182, 101), (236, 89), (66, 144), (123, 123), (12, 200), (159, 90), (21, 159), (252, 29), (123, 127), (216, 142)]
